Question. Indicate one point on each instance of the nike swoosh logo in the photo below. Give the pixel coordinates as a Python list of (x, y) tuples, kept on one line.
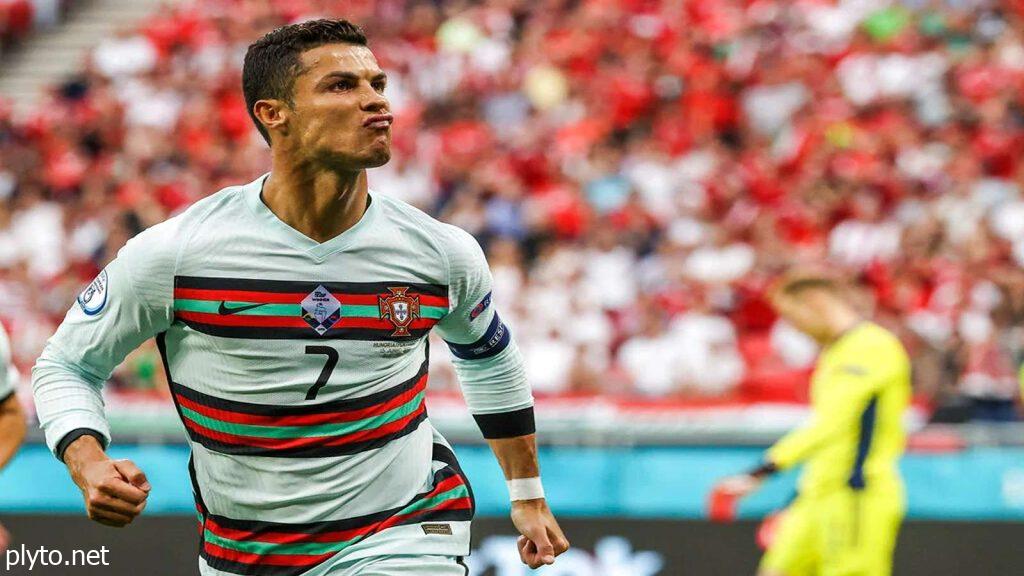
[(224, 310)]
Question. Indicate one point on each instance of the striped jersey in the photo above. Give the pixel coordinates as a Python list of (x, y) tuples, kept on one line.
[(298, 369)]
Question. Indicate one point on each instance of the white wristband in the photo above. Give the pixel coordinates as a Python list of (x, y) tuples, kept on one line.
[(525, 489)]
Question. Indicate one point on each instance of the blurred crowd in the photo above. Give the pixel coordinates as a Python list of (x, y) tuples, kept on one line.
[(637, 171), (21, 18)]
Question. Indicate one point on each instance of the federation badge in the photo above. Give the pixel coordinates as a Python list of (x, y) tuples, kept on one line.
[(479, 308), (321, 310), (94, 298), (400, 308)]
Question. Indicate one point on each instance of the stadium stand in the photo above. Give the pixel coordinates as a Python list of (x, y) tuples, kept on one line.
[(637, 171)]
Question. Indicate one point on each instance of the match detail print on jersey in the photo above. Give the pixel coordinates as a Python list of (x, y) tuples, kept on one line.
[(275, 309), (335, 428), (278, 549)]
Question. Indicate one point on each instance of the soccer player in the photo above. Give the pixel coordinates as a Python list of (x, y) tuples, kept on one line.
[(12, 418), (851, 500), (292, 314)]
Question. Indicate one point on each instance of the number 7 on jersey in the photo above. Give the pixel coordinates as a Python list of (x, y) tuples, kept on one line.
[(325, 374)]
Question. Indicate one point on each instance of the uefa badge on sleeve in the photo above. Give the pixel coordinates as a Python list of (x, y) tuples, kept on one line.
[(94, 298)]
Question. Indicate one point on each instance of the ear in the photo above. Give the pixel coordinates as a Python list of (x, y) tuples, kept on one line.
[(273, 114)]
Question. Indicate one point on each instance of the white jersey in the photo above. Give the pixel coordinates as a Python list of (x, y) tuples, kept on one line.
[(298, 369)]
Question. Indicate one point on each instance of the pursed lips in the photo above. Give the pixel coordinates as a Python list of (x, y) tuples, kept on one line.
[(379, 121)]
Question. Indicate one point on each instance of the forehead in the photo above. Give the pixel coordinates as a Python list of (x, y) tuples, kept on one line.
[(339, 57)]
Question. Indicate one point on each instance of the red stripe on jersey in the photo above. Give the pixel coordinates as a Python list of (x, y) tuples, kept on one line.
[(269, 559), (294, 297), (239, 296), (243, 320), (293, 321), (343, 535), (287, 537), (304, 419), (305, 442), (463, 503), (373, 299), (380, 324)]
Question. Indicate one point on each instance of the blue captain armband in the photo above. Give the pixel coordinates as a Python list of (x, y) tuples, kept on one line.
[(494, 340)]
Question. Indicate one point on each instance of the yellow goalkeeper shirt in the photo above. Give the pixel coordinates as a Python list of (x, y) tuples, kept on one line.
[(859, 392)]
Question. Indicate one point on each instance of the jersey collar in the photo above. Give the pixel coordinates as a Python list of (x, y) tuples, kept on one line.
[(318, 250)]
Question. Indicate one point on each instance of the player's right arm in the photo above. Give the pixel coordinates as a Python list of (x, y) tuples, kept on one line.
[(130, 301), (849, 389)]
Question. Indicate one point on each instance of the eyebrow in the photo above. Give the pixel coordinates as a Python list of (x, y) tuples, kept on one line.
[(352, 76)]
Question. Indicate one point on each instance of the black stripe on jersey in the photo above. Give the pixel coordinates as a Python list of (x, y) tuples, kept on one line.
[(314, 451), (441, 453), (233, 567), (445, 454), (344, 405), (243, 569), (301, 333), (326, 525), (290, 286)]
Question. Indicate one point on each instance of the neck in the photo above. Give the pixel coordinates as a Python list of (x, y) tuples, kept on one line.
[(319, 203)]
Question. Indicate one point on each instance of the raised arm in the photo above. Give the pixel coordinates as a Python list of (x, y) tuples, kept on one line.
[(129, 302), (493, 379)]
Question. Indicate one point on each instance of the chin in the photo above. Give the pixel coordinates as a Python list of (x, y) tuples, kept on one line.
[(379, 159)]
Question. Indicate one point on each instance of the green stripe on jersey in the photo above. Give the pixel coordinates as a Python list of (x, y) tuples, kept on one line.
[(213, 307), (316, 430), (459, 491), (315, 548), (347, 310), (263, 548)]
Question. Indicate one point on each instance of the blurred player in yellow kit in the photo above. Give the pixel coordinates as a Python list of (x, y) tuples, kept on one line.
[(851, 501)]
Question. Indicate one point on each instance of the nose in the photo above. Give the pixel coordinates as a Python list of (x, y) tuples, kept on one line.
[(373, 101)]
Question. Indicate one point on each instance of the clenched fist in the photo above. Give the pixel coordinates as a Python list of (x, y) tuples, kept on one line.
[(115, 491), (542, 538)]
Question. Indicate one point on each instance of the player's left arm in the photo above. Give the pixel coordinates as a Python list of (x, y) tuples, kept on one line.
[(491, 372), (12, 417)]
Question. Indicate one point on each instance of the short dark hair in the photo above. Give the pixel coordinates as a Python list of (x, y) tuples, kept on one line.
[(796, 286), (272, 63), (796, 282)]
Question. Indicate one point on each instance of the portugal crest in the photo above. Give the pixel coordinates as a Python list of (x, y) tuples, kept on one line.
[(400, 308)]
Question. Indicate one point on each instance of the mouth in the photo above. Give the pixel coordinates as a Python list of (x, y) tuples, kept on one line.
[(379, 121)]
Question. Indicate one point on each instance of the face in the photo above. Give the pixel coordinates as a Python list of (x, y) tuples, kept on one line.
[(806, 311), (340, 117)]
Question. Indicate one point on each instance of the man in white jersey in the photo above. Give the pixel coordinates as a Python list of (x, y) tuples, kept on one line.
[(292, 314)]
